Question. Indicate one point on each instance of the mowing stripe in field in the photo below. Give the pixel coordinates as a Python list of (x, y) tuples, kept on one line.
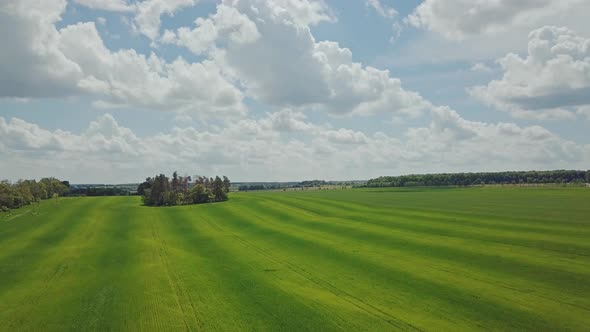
[(45, 261), (525, 263), (19, 258), (250, 297), (538, 206), (103, 272), (492, 222), (373, 260), (571, 244), (19, 232), (389, 252), (393, 223), (442, 235), (402, 287)]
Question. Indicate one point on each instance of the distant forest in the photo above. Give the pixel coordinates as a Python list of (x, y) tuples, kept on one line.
[(469, 179), (282, 185), (182, 190), (25, 192), (99, 191)]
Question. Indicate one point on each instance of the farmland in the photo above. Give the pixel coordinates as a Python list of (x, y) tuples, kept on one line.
[(365, 259)]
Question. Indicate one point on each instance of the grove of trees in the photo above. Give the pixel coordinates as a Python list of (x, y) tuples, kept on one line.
[(182, 190), (467, 179), (25, 192)]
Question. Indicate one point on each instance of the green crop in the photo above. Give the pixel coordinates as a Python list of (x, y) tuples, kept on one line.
[(365, 259)]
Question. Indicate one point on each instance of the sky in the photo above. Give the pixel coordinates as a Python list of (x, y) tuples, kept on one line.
[(114, 91)]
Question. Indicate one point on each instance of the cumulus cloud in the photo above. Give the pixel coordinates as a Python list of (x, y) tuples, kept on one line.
[(227, 23), (31, 64), (272, 52), (45, 62), (552, 81), (300, 12), (457, 19), (110, 5), (452, 142), (148, 14), (266, 50), (249, 41), (266, 148), (125, 77), (102, 135)]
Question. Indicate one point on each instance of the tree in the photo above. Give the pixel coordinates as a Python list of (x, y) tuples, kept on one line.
[(160, 186), (465, 179), (199, 194), (147, 197), (160, 191), (147, 184), (25, 192), (6, 195), (226, 184), (218, 190), (168, 198), (180, 199), (175, 182)]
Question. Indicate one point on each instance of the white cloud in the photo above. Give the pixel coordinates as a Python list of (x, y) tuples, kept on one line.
[(300, 12), (396, 29), (481, 67), (250, 41), (148, 14), (31, 64), (273, 54), (227, 23), (125, 77), (552, 81), (480, 31), (381, 9), (345, 136), (481, 17), (110, 5), (266, 148), (168, 37), (454, 143), (45, 62)]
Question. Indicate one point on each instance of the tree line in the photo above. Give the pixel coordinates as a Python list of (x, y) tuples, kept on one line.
[(183, 190), (468, 179), (282, 185), (25, 192), (99, 191)]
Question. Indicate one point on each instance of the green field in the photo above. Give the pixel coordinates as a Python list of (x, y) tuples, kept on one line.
[(420, 259)]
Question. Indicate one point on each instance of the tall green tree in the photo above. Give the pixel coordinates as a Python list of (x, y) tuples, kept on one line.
[(226, 184), (175, 182), (218, 190)]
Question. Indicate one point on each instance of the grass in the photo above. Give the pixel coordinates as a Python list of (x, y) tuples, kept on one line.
[(374, 259)]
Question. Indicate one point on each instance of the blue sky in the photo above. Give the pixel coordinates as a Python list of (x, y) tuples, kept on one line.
[(117, 90)]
